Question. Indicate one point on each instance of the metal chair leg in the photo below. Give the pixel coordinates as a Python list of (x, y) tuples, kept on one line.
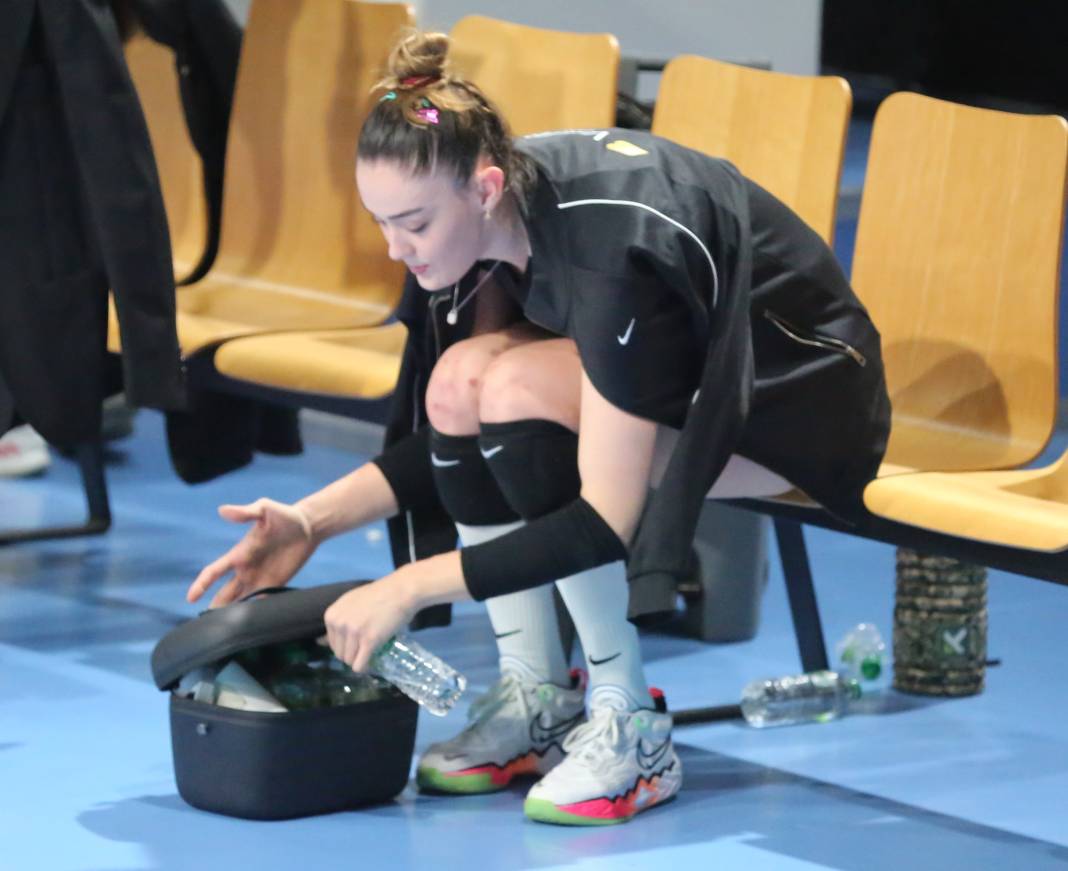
[(803, 607), (90, 456)]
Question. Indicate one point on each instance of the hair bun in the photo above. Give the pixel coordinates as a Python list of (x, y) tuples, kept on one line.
[(419, 58)]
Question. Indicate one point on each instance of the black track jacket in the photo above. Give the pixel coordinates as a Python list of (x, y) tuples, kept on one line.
[(698, 300)]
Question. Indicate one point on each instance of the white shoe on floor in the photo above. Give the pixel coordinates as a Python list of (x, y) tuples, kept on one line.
[(23, 452), (618, 764), (517, 728)]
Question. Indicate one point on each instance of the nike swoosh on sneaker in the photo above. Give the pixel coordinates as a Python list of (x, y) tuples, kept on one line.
[(506, 634), (626, 336), (491, 452), (606, 659), (542, 734), (651, 759), (440, 463)]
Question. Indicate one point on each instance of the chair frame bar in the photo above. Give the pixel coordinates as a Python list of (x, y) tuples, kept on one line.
[(90, 457)]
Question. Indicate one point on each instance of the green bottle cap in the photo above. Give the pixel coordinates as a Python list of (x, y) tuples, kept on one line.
[(871, 667)]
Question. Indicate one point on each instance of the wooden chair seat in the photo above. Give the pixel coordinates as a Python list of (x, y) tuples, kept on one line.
[(1024, 508), (800, 499), (216, 309), (360, 364)]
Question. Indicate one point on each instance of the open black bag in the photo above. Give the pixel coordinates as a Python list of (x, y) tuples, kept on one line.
[(261, 765)]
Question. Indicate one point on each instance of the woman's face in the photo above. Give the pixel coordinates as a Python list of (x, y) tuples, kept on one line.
[(431, 224)]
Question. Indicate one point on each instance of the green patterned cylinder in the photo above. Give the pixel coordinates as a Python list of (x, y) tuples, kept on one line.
[(940, 626)]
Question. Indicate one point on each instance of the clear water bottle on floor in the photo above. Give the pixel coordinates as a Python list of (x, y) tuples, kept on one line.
[(419, 674), (815, 697), (862, 656)]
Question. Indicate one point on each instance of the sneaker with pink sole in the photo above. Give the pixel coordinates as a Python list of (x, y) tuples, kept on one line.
[(619, 763)]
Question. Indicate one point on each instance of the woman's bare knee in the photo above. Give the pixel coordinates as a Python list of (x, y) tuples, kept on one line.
[(453, 390), (540, 380), (452, 394)]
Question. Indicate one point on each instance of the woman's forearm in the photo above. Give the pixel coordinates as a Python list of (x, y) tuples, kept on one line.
[(436, 580), (363, 496)]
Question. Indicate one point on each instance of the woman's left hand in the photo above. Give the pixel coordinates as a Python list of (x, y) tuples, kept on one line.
[(365, 618)]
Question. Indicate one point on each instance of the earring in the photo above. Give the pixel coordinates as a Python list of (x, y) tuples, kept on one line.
[(486, 215)]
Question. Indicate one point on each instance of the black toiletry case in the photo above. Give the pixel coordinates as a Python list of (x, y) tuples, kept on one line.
[(266, 765)]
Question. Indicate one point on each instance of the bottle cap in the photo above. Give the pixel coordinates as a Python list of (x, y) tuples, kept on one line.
[(871, 667)]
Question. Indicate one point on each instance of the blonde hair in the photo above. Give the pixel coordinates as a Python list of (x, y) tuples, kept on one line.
[(428, 118)]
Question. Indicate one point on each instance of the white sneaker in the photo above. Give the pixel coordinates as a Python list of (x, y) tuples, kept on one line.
[(618, 764), (517, 728), (23, 452)]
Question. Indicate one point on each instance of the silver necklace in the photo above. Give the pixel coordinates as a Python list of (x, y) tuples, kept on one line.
[(453, 315)]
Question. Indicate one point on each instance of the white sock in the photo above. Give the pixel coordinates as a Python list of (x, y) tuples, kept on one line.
[(597, 601), (525, 623)]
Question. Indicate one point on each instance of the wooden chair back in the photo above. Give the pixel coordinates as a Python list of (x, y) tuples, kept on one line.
[(539, 79), (292, 218), (785, 132), (180, 174), (957, 259)]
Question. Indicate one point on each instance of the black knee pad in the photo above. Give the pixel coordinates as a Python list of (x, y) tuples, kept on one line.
[(535, 463), (465, 485)]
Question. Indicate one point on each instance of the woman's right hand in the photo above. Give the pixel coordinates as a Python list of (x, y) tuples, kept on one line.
[(272, 551)]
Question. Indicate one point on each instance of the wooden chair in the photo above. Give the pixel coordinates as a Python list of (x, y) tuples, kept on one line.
[(297, 250), (785, 132), (957, 259), (180, 175), (574, 76), (958, 253), (972, 362)]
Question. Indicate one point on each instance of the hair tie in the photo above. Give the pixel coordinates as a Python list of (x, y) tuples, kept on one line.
[(428, 114), (413, 82), (390, 95)]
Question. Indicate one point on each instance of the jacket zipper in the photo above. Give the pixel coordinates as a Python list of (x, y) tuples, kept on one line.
[(816, 341)]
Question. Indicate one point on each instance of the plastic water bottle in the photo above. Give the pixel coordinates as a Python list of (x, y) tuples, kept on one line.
[(419, 674), (862, 655), (340, 685), (815, 697)]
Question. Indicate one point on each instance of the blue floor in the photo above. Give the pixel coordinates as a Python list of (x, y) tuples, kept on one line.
[(84, 737)]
